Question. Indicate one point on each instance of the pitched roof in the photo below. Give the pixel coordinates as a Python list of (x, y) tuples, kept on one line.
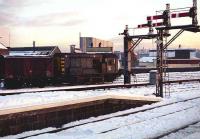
[(2, 46), (38, 48), (30, 51)]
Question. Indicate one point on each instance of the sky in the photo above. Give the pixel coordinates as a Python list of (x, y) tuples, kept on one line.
[(58, 22)]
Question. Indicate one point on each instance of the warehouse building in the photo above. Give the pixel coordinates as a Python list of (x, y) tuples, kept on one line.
[(177, 53), (176, 58)]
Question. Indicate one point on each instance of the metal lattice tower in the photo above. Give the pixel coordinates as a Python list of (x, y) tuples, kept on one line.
[(162, 32), (159, 65), (166, 73), (165, 55)]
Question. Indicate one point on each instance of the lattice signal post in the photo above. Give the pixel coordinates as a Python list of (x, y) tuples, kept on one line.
[(192, 12), (162, 32), (130, 45)]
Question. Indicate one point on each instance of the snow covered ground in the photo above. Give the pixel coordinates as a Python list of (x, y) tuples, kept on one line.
[(29, 99), (191, 132), (144, 77), (146, 124)]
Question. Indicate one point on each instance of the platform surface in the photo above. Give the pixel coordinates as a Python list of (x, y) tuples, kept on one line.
[(79, 101)]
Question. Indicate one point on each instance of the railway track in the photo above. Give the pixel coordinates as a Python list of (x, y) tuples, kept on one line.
[(88, 87), (145, 120), (123, 115), (176, 130), (71, 88)]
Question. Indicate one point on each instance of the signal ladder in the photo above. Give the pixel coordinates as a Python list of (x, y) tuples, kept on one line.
[(165, 73)]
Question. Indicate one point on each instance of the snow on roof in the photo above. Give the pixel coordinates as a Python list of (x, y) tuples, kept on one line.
[(38, 48), (147, 59), (2, 46), (29, 53)]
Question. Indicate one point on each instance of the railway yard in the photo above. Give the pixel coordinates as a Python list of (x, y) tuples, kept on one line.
[(93, 92), (131, 112)]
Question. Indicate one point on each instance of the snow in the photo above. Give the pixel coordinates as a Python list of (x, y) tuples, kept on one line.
[(7, 102), (192, 132), (28, 53), (147, 124), (144, 77), (147, 59)]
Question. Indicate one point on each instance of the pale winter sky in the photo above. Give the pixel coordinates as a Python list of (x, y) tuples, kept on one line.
[(58, 22)]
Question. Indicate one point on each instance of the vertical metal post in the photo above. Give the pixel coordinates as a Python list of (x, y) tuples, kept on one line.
[(127, 78), (167, 17), (159, 83), (150, 24), (194, 19), (161, 63)]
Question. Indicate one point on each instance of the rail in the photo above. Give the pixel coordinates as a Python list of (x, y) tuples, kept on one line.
[(93, 87)]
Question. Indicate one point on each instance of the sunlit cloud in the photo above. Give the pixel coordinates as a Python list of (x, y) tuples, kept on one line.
[(62, 20)]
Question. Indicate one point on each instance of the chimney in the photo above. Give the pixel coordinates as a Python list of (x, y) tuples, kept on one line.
[(33, 46), (72, 48)]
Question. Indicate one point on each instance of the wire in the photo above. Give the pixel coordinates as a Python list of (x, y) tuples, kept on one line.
[(175, 9)]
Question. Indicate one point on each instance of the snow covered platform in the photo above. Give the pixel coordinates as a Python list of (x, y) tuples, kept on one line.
[(17, 120)]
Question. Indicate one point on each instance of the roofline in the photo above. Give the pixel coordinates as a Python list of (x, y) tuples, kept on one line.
[(193, 49), (3, 45), (28, 56)]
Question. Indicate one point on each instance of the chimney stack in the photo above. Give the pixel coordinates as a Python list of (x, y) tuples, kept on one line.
[(33, 46)]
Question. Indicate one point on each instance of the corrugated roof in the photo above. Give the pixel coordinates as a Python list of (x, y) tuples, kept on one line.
[(30, 51), (37, 48)]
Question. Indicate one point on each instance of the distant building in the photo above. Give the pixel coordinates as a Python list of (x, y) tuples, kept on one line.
[(142, 53), (175, 58), (147, 62), (177, 53), (120, 55), (3, 50), (198, 53), (90, 44), (34, 51)]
